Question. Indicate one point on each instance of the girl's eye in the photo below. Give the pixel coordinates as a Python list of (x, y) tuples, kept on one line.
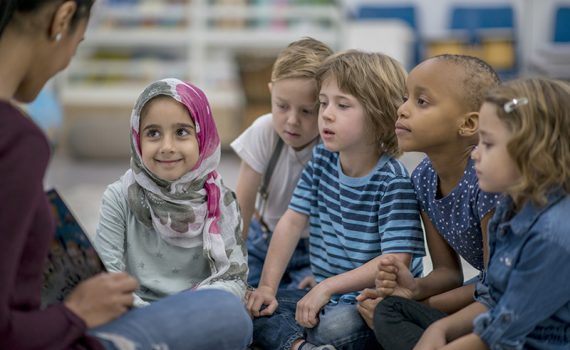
[(153, 133), (281, 106), (307, 112), (322, 104), (422, 102), (343, 106), (404, 99), (182, 132)]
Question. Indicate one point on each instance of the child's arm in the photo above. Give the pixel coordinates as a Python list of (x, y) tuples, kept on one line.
[(358, 279), (283, 242), (439, 287), (450, 328), (249, 181), (110, 237), (447, 272)]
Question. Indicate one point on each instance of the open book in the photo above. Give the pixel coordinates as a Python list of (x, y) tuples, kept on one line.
[(71, 259)]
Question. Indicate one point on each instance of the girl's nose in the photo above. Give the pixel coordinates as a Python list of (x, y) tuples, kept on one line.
[(403, 110), (167, 145)]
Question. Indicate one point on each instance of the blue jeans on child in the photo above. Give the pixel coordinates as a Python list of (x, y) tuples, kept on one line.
[(340, 325), (203, 319), (257, 245)]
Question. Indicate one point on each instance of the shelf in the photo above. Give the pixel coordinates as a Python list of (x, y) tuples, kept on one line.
[(129, 46), (155, 37), (263, 38), (125, 94)]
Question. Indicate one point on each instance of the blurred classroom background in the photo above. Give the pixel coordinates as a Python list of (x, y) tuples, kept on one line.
[(227, 47)]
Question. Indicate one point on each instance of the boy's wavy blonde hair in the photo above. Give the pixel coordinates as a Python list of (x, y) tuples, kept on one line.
[(540, 142), (300, 59), (378, 82)]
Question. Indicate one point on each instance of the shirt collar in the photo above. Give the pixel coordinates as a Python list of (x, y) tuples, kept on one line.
[(527, 216)]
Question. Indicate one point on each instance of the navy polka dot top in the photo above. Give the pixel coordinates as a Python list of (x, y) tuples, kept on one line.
[(457, 216)]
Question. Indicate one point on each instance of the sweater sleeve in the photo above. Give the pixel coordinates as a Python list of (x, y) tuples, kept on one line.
[(111, 233), (23, 159)]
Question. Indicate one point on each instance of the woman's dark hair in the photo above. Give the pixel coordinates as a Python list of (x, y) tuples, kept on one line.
[(9, 7)]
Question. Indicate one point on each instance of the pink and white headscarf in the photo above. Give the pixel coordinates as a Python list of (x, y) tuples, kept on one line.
[(197, 208)]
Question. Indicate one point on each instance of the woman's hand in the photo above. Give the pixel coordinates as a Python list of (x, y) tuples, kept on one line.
[(102, 298)]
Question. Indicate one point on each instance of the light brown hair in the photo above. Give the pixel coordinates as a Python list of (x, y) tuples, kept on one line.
[(300, 59), (540, 141), (378, 82)]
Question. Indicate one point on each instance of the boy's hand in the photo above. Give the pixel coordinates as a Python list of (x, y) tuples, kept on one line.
[(264, 295), (102, 298), (309, 306), (394, 278), (367, 301), (307, 282)]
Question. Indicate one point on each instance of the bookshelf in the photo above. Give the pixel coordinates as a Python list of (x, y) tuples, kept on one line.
[(131, 43)]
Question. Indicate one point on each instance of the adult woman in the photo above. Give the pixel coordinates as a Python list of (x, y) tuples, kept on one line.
[(37, 40)]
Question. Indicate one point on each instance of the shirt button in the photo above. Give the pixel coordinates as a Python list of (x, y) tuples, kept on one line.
[(506, 318), (508, 261)]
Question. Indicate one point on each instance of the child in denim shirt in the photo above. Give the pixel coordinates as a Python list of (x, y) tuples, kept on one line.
[(524, 152)]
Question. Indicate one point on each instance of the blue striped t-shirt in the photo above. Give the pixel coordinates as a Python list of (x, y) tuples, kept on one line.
[(354, 220)]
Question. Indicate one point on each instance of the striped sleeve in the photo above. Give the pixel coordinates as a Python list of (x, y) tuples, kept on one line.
[(399, 218)]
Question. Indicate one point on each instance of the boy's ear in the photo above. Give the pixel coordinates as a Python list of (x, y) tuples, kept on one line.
[(61, 21), (270, 86), (470, 124)]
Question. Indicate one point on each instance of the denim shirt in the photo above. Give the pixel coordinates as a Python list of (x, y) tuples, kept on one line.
[(527, 284)]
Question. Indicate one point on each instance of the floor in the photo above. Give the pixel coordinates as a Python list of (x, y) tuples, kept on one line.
[(81, 183)]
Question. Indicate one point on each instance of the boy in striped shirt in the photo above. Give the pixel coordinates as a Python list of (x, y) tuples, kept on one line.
[(359, 203)]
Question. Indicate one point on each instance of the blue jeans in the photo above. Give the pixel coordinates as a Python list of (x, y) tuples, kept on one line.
[(339, 325), (203, 319), (257, 245)]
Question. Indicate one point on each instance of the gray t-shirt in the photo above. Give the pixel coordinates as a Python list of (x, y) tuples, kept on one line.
[(125, 244)]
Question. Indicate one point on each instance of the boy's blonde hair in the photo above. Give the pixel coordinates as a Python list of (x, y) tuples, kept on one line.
[(540, 142), (300, 59), (378, 82)]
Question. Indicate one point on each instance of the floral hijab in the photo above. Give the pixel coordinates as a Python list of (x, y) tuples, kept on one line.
[(195, 209)]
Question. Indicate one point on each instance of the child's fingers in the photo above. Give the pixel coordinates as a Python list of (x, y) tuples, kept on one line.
[(368, 293), (386, 276), (270, 309), (389, 267), (254, 304)]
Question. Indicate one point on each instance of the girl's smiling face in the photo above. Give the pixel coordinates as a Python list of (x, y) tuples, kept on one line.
[(169, 147)]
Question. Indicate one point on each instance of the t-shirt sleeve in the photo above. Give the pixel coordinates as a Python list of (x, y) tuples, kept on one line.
[(420, 183), (255, 145), (399, 219), (484, 202), (111, 232)]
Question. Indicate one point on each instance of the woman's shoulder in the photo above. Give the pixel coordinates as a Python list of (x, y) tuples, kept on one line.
[(15, 122)]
